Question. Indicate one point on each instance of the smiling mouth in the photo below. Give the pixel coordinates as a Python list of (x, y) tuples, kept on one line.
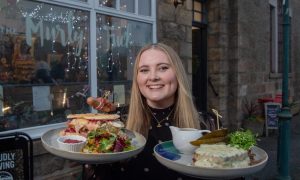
[(155, 86)]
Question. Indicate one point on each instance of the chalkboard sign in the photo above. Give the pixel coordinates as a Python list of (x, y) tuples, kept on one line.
[(16, 156), (271, 115)]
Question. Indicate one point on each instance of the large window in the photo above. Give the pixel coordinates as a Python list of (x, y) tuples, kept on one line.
[(47, 54), (118, 41)]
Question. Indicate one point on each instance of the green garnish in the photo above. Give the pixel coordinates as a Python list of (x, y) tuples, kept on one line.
[(242, 139)]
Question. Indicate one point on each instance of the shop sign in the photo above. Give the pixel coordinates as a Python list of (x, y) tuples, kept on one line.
[(53, 32)]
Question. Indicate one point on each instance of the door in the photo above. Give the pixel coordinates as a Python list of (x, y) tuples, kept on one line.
[(199, 77)]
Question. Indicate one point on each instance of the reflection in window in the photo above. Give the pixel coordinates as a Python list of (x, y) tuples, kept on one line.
[(107, 3), (145, 7), (46, 46), (127, 5), (118, 41)]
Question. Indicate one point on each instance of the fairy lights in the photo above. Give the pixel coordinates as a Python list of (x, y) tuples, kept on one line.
[(113, 37), (6, 108)]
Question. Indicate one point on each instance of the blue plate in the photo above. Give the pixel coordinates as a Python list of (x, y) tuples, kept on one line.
[(168, 151)]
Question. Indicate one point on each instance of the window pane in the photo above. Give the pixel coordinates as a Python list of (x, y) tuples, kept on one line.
[(44, 49), (118, 41), (127, 5), (197, 16), (81, 0), (197, 6), (145, 7), (107, 3)]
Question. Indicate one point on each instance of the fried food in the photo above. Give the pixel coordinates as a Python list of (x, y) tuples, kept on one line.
[(212, 137), (212, 140)]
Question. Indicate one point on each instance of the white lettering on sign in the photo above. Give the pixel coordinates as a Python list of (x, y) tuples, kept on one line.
[(53, 33), (120, 40), (7, 161)]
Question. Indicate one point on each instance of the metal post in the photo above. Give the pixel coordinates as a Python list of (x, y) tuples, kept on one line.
[(285, 115)]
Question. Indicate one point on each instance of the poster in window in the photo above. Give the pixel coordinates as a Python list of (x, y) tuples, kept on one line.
[(119, 94), (41, 98)]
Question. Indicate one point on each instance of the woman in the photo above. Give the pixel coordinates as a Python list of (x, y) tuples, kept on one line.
[(160, 97), (160, 82)]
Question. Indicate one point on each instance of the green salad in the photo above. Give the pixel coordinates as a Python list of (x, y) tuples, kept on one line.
[(242, 139)]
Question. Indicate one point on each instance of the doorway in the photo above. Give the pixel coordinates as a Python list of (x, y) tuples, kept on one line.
[(199, 56)]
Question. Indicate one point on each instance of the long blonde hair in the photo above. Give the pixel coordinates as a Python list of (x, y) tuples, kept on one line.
[(185, 113)]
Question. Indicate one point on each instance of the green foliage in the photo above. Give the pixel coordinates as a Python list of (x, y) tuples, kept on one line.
[(242, 139)]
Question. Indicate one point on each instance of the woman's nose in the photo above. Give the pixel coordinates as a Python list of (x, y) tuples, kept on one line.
[(153, 75)]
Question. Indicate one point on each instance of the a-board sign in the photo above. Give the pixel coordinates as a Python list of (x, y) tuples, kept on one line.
[(271, 115), (15, 157)]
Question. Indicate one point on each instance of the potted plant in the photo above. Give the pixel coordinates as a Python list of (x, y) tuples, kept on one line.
[(253, 119)]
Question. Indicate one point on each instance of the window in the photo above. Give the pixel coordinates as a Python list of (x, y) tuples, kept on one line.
[(54, 55), (107, 3), (127, 5), (276, 37), (145, 7), (132, 6), (199, 12), (44, 63), (118, 42)]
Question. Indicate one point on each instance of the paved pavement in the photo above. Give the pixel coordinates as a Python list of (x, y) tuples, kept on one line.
[(269, 144)]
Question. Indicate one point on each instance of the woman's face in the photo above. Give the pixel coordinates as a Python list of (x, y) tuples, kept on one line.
[(156, 79)]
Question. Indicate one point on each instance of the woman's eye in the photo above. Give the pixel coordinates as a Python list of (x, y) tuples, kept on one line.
[(163, 68), (143, 70)]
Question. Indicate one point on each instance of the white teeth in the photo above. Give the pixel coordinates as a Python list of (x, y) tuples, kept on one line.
[(155, 86)]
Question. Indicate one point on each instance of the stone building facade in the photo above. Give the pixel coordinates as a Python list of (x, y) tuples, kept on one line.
[(238, 44)]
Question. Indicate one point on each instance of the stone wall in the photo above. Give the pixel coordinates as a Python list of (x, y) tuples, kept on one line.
[(174, 28), (295, 43), (239, 56), (49, 167)]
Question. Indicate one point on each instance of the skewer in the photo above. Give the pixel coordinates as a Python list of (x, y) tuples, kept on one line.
[(218, 116)]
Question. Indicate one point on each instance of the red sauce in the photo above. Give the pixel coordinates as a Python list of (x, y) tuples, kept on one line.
[(72, 141)]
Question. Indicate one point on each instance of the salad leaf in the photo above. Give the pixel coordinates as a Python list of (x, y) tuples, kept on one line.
[(242, 139)]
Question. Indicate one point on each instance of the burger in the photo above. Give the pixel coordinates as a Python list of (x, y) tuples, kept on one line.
[(82, 124)]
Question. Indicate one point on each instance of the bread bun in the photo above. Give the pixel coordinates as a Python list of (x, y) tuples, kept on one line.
[(80, 121), (92, 116)]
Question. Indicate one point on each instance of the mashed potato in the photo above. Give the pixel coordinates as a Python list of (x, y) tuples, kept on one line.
[(220, 156)]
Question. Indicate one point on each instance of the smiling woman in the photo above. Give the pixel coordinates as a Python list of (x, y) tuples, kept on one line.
[(156, 79), (160, 98)]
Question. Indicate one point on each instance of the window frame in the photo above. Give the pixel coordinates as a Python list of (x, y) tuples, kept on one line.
[(274, 47), (93, 7), (274, 36)]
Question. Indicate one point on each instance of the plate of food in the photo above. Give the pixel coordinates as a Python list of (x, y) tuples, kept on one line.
[(93, 138), (214, 158)]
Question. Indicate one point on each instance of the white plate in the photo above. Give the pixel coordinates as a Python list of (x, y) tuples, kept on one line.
[(49, 140), (170, 157)]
